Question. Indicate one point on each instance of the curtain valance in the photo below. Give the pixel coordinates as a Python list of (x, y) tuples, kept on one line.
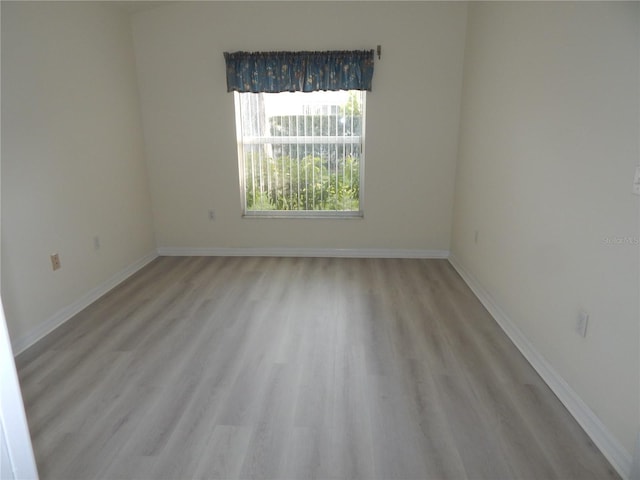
[(273, 72)]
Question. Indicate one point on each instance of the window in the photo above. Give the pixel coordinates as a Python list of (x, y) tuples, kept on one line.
[(300, 130), (301, 153)]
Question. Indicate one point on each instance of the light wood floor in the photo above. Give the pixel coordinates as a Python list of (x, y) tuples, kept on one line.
[(294, 368)]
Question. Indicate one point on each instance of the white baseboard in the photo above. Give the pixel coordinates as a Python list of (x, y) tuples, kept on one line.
[(611, 448), (303, 252), (20, 344)]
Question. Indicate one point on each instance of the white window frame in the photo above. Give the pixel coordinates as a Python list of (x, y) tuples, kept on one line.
[(331, 140)]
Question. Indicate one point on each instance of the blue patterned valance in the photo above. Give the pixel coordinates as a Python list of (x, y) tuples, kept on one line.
[(274, 72)]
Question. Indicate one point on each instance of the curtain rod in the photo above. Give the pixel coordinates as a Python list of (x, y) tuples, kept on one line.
[(378, 51)]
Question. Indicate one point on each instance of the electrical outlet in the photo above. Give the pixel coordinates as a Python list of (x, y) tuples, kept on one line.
[(55, 262), (96, 242), (475, 237), (582, 322), (212, 215)]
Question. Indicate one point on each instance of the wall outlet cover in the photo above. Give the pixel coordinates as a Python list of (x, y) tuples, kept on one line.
[(55, 262)]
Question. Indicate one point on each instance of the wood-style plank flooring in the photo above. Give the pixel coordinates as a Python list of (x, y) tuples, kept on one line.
[(294, 368)]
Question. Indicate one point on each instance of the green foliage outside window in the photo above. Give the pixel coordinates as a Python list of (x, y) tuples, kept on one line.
[(309, 183)]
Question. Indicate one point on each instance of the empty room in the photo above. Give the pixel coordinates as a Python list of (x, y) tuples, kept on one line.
[(320, 239)]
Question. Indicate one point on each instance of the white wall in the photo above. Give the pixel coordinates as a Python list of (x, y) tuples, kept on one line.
[(635, 471), (16, 452), (72, 156), (189, 125), (548, 147)]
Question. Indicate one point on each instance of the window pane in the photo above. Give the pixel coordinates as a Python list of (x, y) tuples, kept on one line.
[(301, 152)]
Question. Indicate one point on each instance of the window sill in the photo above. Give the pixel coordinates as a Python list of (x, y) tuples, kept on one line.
[(306, 215)]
